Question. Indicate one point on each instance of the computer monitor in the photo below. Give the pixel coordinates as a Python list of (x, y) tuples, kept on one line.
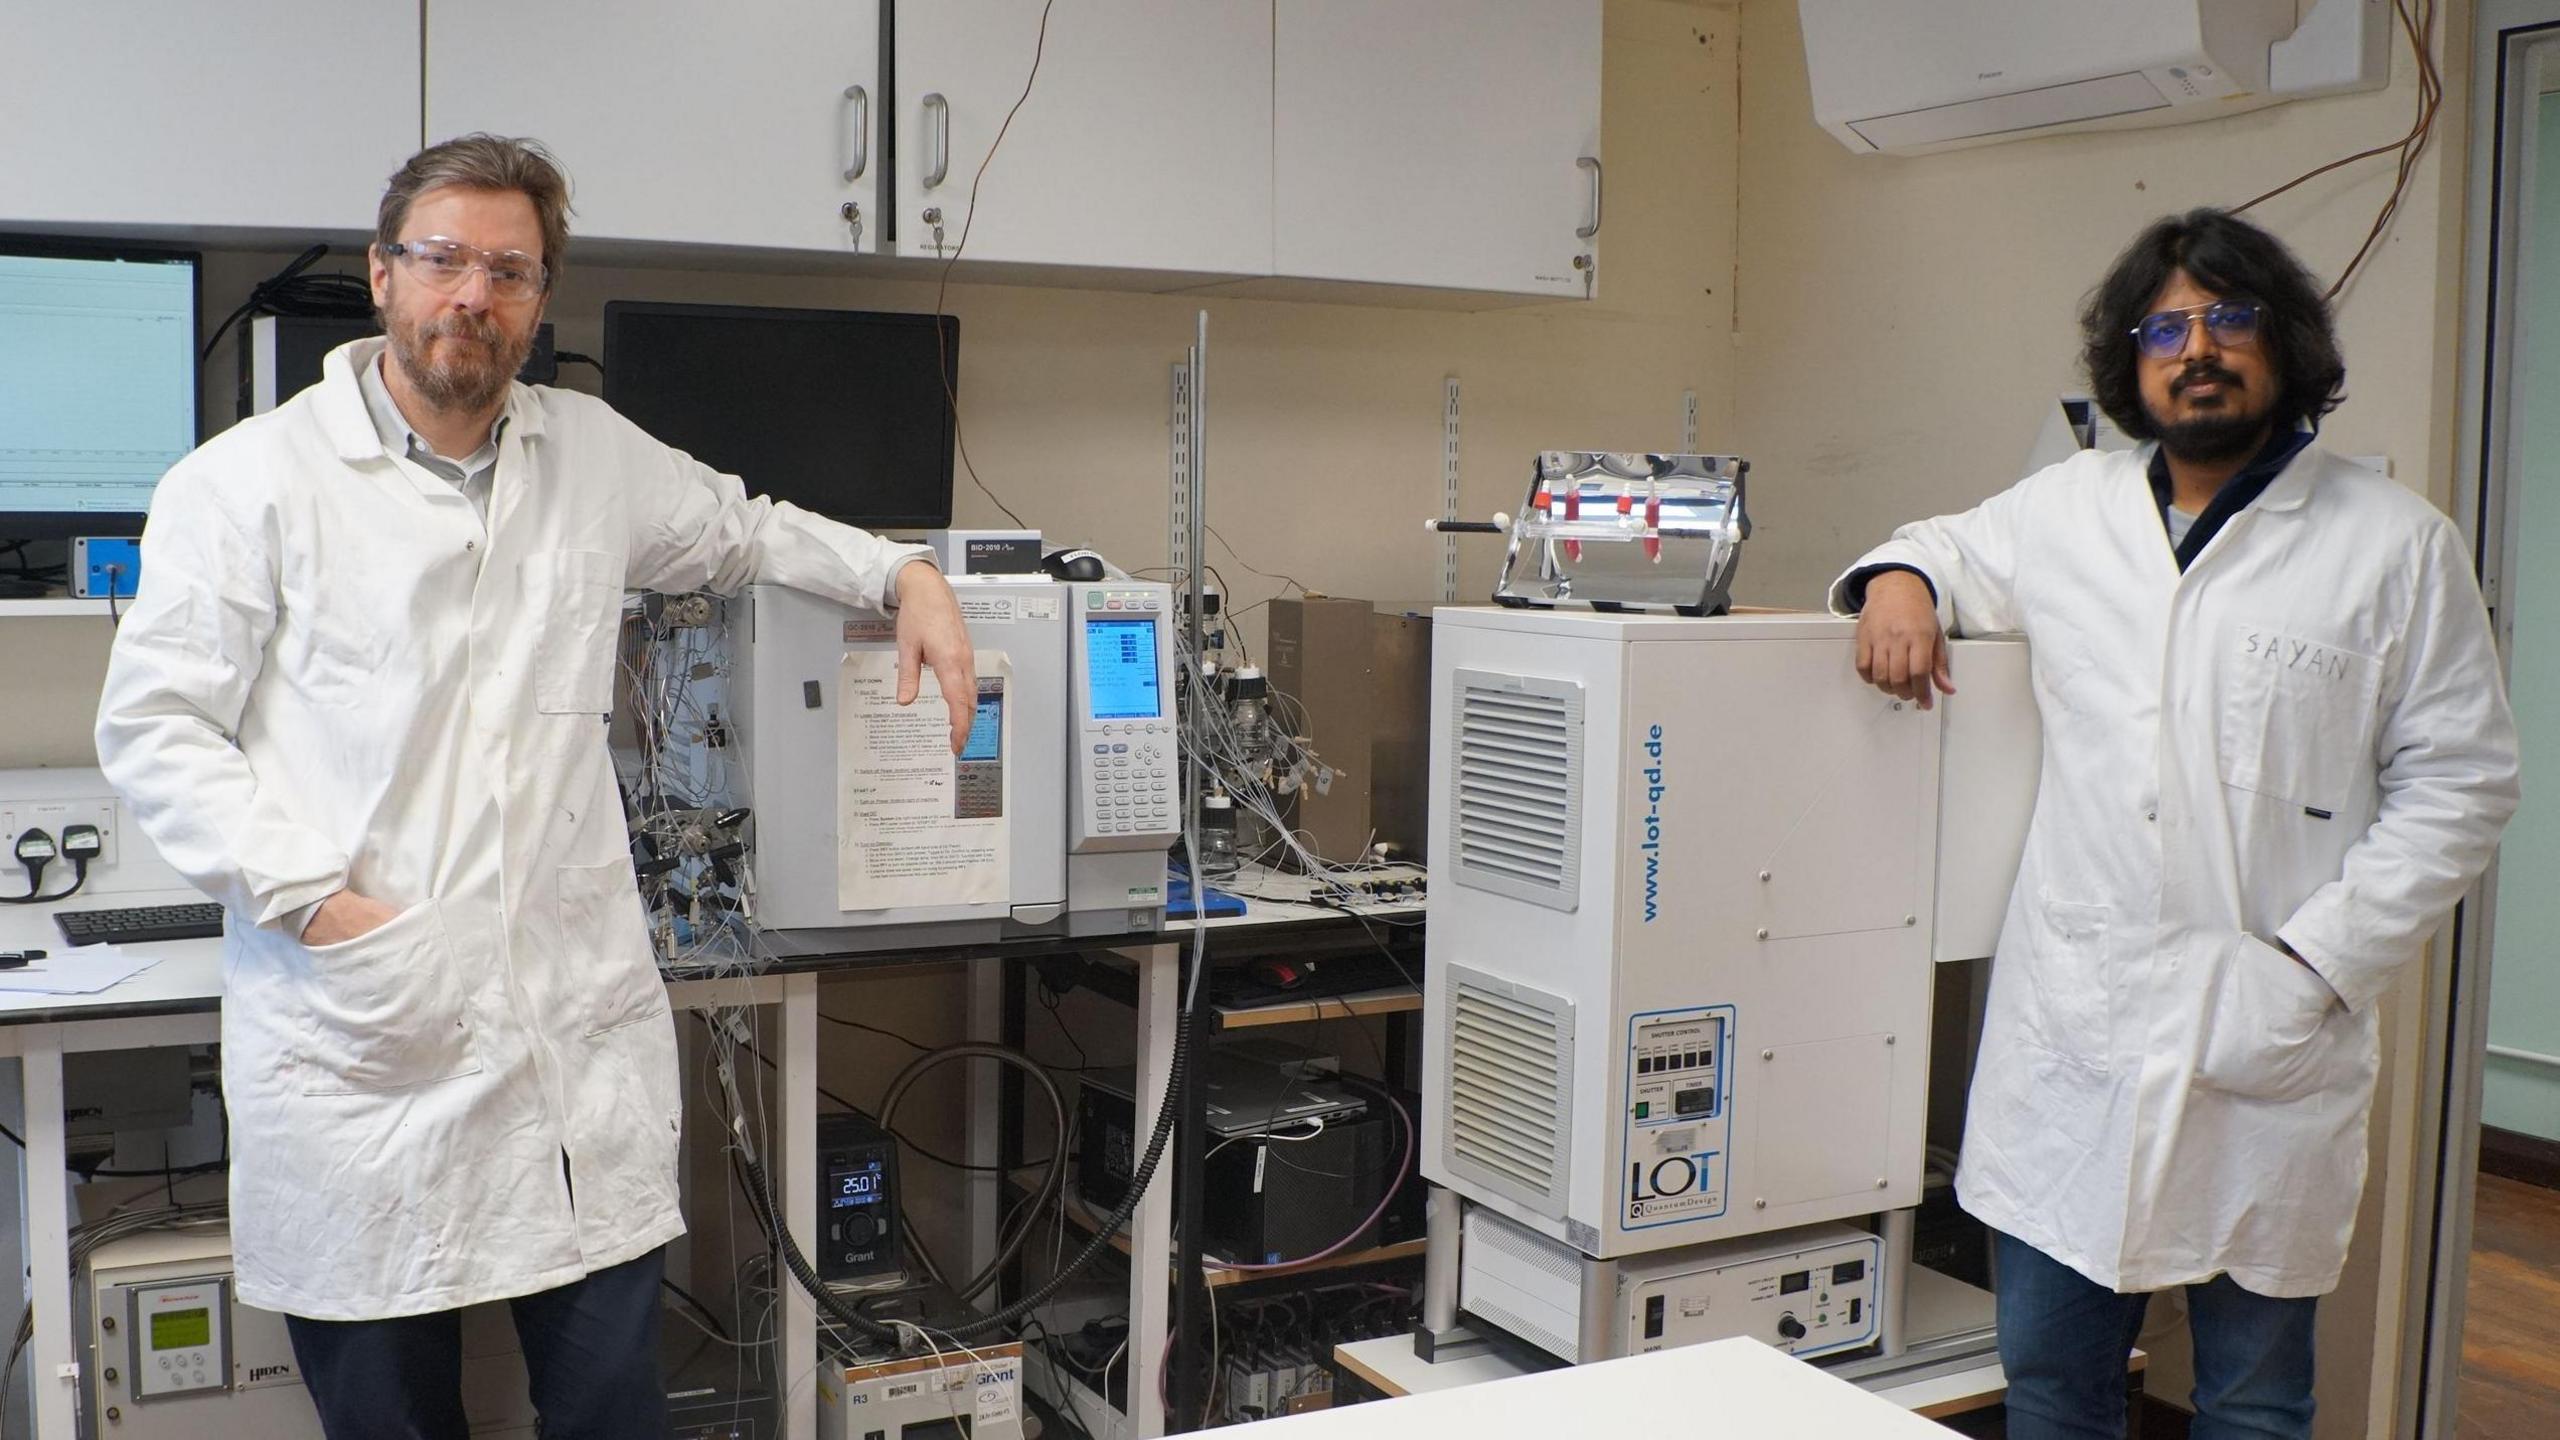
[(845, 413), (98, 377)]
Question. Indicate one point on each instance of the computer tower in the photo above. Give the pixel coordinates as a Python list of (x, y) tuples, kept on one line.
[(1270, 1200)]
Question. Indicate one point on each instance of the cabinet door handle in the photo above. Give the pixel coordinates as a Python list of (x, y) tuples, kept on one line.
[(940, 110), (861, 99), (1592, 164)]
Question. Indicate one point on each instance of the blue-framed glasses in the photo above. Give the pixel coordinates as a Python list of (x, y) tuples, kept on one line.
[(2230, 322)]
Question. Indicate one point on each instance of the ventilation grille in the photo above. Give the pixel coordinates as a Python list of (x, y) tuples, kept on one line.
[(1517, 816), (1510, 1088), (1526, 1247), (1518, 1323), (2039, 108), (1523, 1282)]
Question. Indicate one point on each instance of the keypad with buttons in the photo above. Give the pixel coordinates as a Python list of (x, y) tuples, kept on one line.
[(1129, 789), (1127, 785), (180, 1334)]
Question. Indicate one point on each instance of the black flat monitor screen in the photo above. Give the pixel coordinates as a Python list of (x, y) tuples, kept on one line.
[(841, 412), (97, 382)]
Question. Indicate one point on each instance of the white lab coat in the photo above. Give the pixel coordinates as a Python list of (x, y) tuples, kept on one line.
[(334, 677), (2303, 736)]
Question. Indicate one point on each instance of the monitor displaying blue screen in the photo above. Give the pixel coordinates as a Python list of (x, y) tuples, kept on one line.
[(986, 727), (1121, 669), (97, 385)]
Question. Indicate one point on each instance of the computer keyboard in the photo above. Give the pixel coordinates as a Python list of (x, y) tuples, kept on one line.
[(200, 921)]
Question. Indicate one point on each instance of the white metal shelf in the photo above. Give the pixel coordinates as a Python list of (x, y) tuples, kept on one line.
[(58, 606)]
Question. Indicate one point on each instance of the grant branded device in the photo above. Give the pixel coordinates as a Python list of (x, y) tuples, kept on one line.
[(857, 1201)]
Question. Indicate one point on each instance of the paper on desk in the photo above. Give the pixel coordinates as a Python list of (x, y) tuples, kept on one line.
[(914, 826), (85, 970)]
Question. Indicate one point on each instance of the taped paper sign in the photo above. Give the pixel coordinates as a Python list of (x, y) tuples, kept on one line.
[(915, 825)]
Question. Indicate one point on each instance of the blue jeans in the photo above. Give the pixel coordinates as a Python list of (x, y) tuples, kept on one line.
[(2064, 1339), (591, 1348)]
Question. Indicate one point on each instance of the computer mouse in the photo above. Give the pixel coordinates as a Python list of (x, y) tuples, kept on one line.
[(1074, 564)]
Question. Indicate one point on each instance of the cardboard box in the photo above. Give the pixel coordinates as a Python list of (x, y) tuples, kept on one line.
[(1320, 658)]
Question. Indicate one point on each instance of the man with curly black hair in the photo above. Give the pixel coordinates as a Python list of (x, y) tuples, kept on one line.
[(2276, 751)]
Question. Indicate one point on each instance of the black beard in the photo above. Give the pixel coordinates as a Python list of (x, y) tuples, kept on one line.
[(2212, 439)]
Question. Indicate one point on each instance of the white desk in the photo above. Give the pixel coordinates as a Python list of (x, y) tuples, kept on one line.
[(1942, 1309), (1728, 1387), (1391, 1368), (177, 1002)]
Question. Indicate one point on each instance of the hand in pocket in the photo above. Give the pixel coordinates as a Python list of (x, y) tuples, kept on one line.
[(347, 916)]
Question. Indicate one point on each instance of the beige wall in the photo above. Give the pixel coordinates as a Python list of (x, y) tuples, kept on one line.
[(1896, 326), (1324, 418), (1900, 321)]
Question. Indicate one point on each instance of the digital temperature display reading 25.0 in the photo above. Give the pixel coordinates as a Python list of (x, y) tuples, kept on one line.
[(858, 1186)]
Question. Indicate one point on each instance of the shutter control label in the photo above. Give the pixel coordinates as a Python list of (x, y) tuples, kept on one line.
[(1678, 1120)]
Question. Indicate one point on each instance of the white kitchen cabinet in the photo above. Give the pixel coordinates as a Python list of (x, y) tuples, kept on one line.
[(1145, 143), (1445, 143), (731, 125), (268, 115)]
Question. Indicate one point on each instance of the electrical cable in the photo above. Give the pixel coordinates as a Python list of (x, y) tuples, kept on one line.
[(291, 292), (703, 1310), (1209, 1401), (914, 1045), (849, 1107), (1404, 1167), (79, 877), (1249, 565), (1054, 1177), (179, 1172), (762, 1198), (2431, 96), (2420, 29), (1314, 1132), (942, 289)]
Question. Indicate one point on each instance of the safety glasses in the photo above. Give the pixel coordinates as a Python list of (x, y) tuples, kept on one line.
[(442, 264)]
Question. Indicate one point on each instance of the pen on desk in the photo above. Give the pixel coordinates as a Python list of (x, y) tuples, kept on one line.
[(14, 959)]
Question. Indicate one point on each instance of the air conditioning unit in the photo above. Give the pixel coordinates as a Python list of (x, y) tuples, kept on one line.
[(1900, 77)]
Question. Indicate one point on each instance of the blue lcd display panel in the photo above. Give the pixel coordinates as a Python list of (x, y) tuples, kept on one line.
[(986, 727), (861, 1185), (1121, 668)]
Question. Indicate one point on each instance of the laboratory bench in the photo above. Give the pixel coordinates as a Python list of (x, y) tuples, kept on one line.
[(176, 1002)]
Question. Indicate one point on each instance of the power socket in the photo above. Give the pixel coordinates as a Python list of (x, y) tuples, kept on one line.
[(53, 815)]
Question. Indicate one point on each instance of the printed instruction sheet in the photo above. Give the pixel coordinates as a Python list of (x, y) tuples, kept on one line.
[(916, 825)]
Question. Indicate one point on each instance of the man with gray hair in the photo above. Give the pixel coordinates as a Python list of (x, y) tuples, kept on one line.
[(359, 701)]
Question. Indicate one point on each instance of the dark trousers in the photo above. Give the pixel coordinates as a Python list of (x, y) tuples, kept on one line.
[(591, 1347), (2064, 1339)]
